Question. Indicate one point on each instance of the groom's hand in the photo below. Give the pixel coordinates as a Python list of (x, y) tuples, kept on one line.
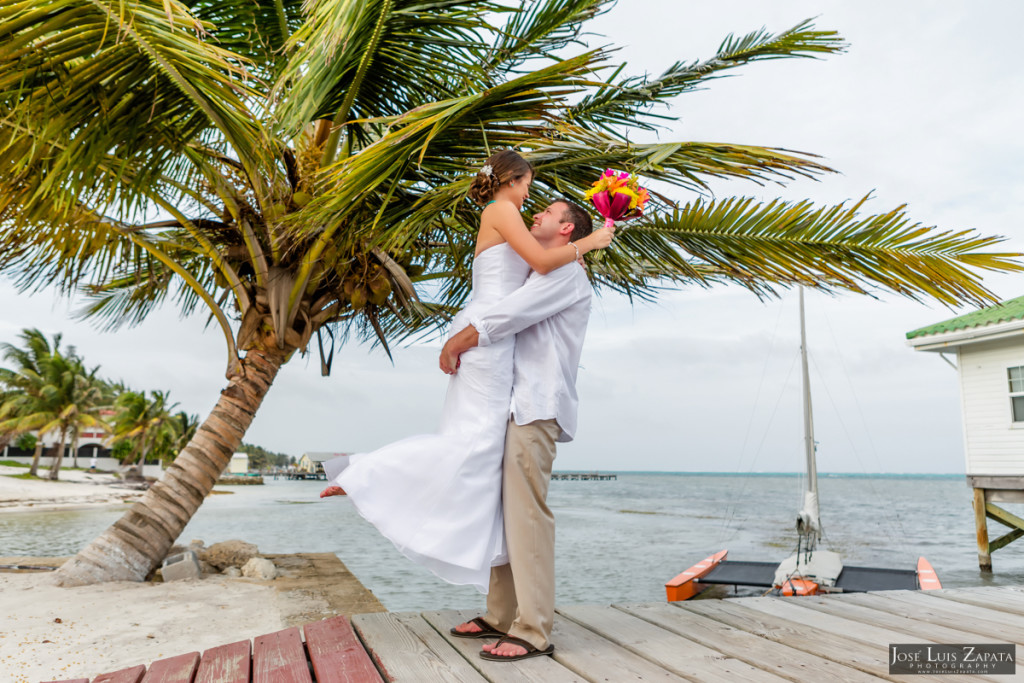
[(449, 359), (466, 339)]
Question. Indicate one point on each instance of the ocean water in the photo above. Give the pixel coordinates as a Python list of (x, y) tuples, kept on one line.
[(617, 541)]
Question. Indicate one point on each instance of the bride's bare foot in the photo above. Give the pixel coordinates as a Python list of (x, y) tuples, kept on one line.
[(332, 491)]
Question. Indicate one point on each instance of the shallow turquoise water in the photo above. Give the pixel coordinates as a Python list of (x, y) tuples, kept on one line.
[(618, 541)]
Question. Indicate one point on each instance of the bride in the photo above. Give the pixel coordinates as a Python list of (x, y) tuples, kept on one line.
[(437, 497)]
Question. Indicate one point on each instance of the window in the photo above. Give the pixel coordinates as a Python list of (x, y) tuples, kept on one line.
[(1016, 377)]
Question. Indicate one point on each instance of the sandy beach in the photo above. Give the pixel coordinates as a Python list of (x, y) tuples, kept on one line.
[(50, 633), (76, 488)]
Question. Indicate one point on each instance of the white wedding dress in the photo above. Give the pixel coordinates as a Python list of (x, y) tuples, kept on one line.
[(437, 497)]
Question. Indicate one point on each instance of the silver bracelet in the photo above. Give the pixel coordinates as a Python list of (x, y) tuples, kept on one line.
[(577, 250)]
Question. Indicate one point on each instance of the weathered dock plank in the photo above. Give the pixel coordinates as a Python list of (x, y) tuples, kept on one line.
[(849, 631), (408, 649), (785, 661), (597, 659), (909, 629), (336, 654), (535, 670), (132, 675), (921, 606), (837, 648), (666, 649), (231, 663), (178, 669), (822, 620), (993, 600), (280, 658)]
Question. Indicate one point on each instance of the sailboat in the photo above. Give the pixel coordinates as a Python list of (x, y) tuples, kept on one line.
[(810, 570)]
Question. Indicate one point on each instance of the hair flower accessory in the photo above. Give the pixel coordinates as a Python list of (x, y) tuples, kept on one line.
[(487, 170), (617, 196)]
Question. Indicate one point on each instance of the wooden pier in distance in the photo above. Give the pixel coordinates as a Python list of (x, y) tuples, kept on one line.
[(582, 476), (319, 476), (839, 637)]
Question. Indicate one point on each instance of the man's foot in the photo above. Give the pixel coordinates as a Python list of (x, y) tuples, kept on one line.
[(506, 650), (511, 648), (476, 628), (332, 491)]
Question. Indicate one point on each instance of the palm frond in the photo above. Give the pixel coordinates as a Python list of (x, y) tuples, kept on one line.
[(832, 247), (256, 30), (623, 104), (416, 51), (531, 97), (574, 158), (540, 29), (81, 81)]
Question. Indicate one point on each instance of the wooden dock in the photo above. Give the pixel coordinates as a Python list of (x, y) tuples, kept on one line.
[(316, 476), (814, 639), (582, 476)]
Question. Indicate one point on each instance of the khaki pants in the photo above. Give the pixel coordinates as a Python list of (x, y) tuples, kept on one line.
[(521, 599)]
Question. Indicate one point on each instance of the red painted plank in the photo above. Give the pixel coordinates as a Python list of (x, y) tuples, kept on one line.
[(132, 675), (337, 654), (178, 669), (280, 658), (226, 664)]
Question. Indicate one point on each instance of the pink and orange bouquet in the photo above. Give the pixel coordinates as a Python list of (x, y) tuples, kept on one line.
[(617, 196)]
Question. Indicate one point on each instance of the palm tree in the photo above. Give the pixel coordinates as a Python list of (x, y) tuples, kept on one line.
[(81, 404), (49, 391), (184, 428), (297, 167), (145, 421), (29, 389)]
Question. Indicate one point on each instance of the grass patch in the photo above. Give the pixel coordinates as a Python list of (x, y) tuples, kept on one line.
[(14, 463), (24, 475)]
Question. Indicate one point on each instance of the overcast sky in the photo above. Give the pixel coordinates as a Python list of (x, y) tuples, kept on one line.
[(923, 109)]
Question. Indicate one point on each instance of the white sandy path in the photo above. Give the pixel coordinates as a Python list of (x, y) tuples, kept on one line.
[(113, 626), (75, 488)]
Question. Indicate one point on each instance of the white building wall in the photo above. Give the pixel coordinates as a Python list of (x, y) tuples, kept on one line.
[(993, 443), (239, 464)]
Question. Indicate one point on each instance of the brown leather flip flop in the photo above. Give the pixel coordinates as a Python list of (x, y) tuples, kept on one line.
[(531, 651), (486, 630)]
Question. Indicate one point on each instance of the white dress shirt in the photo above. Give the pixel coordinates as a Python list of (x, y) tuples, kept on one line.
[(549, 316)]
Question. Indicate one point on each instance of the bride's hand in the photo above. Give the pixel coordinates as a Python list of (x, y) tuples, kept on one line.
[(600, 238)]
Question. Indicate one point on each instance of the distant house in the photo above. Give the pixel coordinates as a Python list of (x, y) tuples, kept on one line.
[(313, 462), (239, 464), (988, 347)]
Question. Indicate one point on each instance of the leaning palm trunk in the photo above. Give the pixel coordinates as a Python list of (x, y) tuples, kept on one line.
[(34, 470), (58, 455), (133, 547)]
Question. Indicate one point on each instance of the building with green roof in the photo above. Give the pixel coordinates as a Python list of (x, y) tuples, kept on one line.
[(989, 348), (1004, 316)]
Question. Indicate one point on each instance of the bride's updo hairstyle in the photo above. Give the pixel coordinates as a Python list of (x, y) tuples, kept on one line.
[(500, 168)]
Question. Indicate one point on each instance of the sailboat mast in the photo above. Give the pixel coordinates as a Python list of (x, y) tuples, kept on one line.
[(808, 522)]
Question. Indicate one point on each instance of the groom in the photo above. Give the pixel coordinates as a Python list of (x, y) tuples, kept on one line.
[(549, 317)]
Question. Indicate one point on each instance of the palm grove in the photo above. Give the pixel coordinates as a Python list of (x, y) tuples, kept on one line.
[(297, 171), (47, 390)]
